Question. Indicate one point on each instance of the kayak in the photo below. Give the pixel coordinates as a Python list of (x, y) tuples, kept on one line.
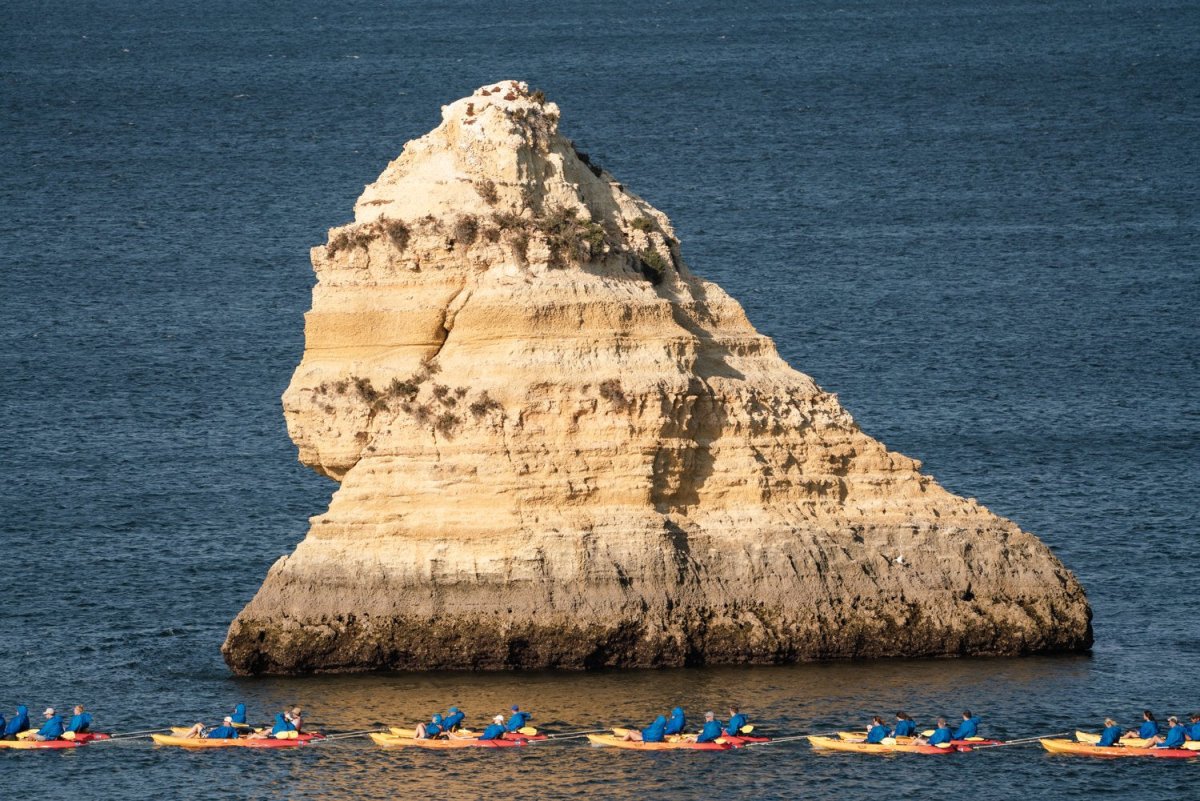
[(969, 741), (23, 745), (91, 736), (837, 744), (1055, 746), (1130, 742), (408, 741), (736, 742), (181, 732), (241, 742), (508, 735), (636, 745)]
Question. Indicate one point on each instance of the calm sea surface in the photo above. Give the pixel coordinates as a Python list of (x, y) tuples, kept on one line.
[(979, 223)]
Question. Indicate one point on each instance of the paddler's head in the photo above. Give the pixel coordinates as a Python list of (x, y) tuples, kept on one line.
[(49, 713), (1174, 721), (228, 721), (79, 709), (499, 720), (941, 723), (1109, 722), (966, 714), (733, 710), (1147, 714), (1195, 717), (901, 716), (515, 708), (877, 721), (709, 717)]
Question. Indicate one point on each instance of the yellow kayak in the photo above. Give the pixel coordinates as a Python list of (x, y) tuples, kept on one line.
[(29, 744), (241, 742), (1089, 738), (406, 740), (838, 744), (677, 744)]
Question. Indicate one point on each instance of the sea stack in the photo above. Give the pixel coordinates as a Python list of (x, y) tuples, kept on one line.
[(557, 447)]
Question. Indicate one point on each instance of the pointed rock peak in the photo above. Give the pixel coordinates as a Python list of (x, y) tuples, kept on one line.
[(498, 167)]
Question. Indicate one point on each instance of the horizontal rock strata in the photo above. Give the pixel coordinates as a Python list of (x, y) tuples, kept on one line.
[(557, 447)]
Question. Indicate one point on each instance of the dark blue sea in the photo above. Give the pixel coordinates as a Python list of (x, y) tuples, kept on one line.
[(978, 223)]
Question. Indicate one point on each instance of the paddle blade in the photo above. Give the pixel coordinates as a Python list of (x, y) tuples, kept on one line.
[(943, 745), (749, 727), (927, 733), (888, 741), (68, 735), (25, 735), (528, 731)]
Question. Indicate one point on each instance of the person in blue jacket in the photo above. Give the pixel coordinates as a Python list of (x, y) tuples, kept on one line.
[(431, 730), (238, 718), (81, 721), (711, 730), (654, 733), (1193, 731), (53, 728), (940, 735), (877, 731), (18, 724), (676, 723), (968, 728), (736, 721), (226, 731), (1176, 735), (1111, 735), (1149, 728), (453, 719), (282, 724), (905, 727), (495, 731), (518, 720)]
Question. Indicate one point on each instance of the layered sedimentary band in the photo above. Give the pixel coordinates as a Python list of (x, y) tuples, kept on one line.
[(557, 447)]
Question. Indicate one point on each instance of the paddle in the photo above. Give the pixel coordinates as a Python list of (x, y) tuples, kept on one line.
[(1024, 740), (528, 731)]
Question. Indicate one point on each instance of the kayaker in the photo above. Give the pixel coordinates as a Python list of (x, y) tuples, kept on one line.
[(1193, 731), (431, 730), (518, 720), (905, 727), (282, 725), (18, 724), (676, 723), (736, 721), (877, 731), (53, 728), (1149, 728), (239, 715), (296, 718), (453, 719), (1111, 735), (654, 733), (494, 731), (711, 730), (226, 731), (81, 721), (1175, 738), (3, 724), (968, 728), (940, 735)]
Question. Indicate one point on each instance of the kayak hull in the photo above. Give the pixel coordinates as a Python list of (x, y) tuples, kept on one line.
[(970, 741), (1056, 746), (838, 744), (36, 745), (241, 742), (613, 741), (408, 741)]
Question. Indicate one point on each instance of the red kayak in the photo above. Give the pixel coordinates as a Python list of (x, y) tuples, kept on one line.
[(90, 736), (516, 735)]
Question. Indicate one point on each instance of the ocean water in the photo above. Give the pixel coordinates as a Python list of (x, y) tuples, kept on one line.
[(978, 223)]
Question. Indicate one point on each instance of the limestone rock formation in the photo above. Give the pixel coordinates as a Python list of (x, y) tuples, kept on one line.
[(557, 447)]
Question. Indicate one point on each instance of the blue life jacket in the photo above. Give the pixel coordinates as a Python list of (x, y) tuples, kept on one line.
[(1110, 736), (518, 721), (282, 724), (656, 731), (968, 728), (222, 733), (904, 728), (80, 723), (493, 732), (453, 719), (710, 732), (1174, 738), (3, 724), (876, 734), (239, 714), (940, 736), (736, 723), (1148, 729), (52, 729), (19, 723), (1193, 731), (677, 723), (432, 730)]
